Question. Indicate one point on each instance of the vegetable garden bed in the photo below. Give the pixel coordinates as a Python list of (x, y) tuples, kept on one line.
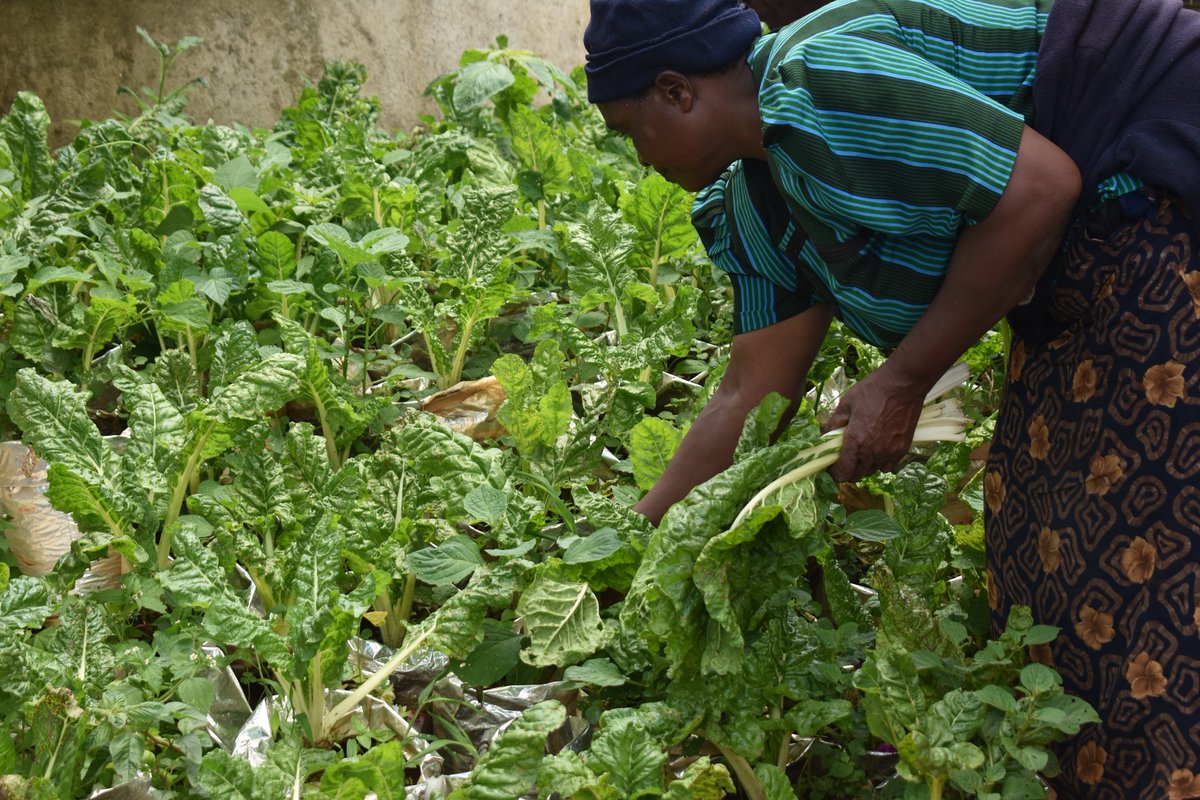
[(324, 591)]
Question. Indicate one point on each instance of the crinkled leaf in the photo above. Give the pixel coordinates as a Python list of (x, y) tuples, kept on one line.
[(24, 603), (458, 624), (652, 444), (956, 716), (226, 777), (563, 620), (660, 211), (54, 419), (156, 427), (537, 409), (509, 768), (25, 129), (235, 349), (88, 505), (729, 575), (380, 770), (702, 780), (634, 761), (540, 150), (663, 601), (220, 211), (599, 249), (567, 775), (259, 391)]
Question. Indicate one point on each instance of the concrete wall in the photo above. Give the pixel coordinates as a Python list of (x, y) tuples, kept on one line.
[(257, 54)]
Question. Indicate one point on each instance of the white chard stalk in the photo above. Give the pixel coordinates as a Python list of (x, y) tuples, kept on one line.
[(940, 421)]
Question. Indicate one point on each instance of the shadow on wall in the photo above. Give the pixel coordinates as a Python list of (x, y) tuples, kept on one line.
[(257, 56)]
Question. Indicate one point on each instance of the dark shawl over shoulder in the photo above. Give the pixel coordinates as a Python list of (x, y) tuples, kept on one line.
[(1118, 88)]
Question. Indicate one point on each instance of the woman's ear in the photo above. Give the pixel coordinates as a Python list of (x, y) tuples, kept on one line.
[(676, 88)]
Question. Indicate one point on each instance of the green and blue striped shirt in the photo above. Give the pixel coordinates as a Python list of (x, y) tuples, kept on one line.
[(888, 125)]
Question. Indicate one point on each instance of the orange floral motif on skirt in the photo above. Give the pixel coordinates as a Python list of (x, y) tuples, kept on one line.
[(1094, 475)]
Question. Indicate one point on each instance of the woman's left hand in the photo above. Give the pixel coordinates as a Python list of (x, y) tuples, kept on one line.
[(879, 414)]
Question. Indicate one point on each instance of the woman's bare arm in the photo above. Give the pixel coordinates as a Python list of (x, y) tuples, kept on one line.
[(771, 359), (995, 265)]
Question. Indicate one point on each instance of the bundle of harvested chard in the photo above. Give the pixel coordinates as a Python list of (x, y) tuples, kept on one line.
[(941, 420)]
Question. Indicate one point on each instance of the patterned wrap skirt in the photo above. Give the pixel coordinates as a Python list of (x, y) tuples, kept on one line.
[(1093, 494)]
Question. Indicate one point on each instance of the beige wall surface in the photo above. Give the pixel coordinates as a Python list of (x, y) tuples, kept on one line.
[(257, 54)]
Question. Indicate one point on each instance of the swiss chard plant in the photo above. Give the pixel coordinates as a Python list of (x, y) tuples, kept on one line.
[(258, 313)]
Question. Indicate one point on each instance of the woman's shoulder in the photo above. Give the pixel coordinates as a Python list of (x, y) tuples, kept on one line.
[(778, 57)]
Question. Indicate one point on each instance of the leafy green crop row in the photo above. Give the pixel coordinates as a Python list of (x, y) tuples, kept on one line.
[(260, 313)]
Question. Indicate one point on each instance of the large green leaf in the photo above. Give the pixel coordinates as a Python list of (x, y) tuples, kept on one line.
[(701, 780), (24, 603), (679, 601), (88, 506), (563, 620), (259, 391), (599, 249), (380, 770), (567, 775), (509, 768), (25, 130), (633, 760), (226, 777), (479, 81), (660, 211), (652, 444), (55, 421), (537, 408), (540, 150), (457, 626), (448, 563), (156, 427)]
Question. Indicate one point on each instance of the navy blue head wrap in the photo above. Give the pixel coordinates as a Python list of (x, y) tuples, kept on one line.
[(629, 42)]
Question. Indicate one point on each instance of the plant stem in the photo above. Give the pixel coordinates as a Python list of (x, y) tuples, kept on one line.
[(406, 599), (83, 653), (316, 700), (331, 450), (656, 260), (62, 735), (751, 785), (391, 632), (781, 758), (619, 314), (366, 354), (460, 354), (335, 714), (180, 492)]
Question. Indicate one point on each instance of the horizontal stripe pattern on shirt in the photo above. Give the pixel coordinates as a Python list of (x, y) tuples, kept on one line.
[(892, 123)]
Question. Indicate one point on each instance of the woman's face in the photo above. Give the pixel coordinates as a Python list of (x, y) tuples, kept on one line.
[(670, 137)]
